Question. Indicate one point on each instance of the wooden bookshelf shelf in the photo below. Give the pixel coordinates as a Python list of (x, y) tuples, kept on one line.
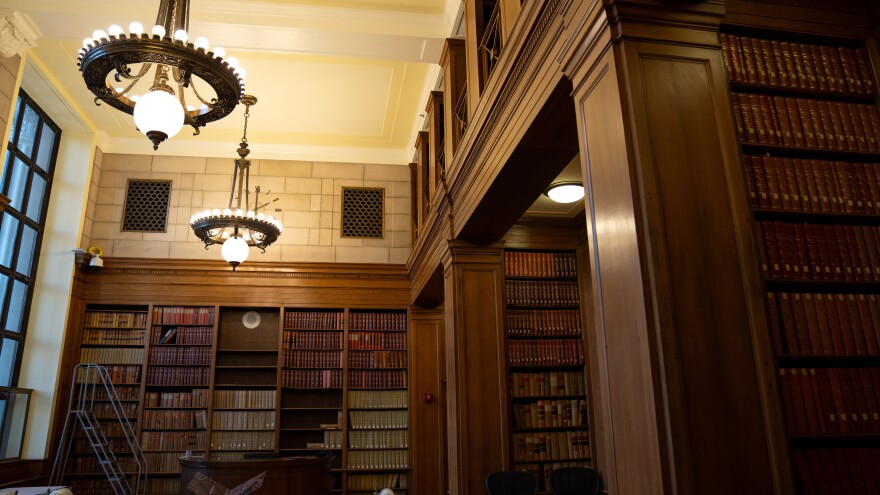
[(767, 89)]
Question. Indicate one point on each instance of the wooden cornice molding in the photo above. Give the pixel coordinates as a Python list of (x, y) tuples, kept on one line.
[(254, 270)]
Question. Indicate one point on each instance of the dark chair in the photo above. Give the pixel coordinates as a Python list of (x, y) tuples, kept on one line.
[(512, 483), (575, 481)]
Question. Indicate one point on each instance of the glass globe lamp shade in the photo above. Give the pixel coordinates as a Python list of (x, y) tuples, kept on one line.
[(234, 251), (566, 193), (159, 115)]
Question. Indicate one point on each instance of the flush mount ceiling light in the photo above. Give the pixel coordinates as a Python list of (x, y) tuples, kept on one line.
[(236, 229), (565, 192), (112, 63)]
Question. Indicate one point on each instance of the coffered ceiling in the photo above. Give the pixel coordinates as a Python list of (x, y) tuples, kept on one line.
[(341, 80)]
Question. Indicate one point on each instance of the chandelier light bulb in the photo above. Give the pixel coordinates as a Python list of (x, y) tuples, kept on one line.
[(158, 112), (115, 30), (88, 42), (239, 213), (233, 62), (261, 216), (251, 214), (219, 52), (215, 212), (99, 34), (201, 42), (158, 30), (181, 35), (234, 251), (227, 212), (136, 28), (241, 73)]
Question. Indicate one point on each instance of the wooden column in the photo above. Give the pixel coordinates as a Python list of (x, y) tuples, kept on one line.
[(454, 85), (474, 27), (683, 371), (427, 401), (475, 366)]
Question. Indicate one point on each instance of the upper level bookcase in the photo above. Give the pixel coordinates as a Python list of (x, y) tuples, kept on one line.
[(809, 129), (545, 356)]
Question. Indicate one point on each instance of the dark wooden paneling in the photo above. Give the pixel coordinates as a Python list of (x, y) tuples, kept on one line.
[(24, 472), (547, 147), (475, 367), (427, 417)]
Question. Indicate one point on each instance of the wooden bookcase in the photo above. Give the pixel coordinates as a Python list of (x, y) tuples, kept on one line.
[(545, 356), (245, 401), (176, 391), (112, 336), (809, 130), (377, 451), (312, 399)]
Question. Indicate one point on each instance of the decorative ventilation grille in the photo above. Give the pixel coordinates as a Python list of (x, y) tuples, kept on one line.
[(363, 212), (146, 206)]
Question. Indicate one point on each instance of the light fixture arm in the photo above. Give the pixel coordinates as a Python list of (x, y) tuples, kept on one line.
[(173, 15)]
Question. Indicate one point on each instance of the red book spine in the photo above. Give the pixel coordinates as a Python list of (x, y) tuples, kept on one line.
[(846, 189), (859, 237), (828, 133), (801, 247), (800, 324), (806, 179), (816, 176), (749, 170), (770, 62), (811, 124), (872, 175), (849, 401), (790, 341), (773, 183), (771, 246), (851, 114), (797, 61), (870, 135), (819, 68), (840, 116), (785, 385), (819, 305), (816, 342), (762, 248), (748, 117), (867, 325), (794, 195), (754, 46), (798, 405), (811, 398), (827, 410), (838, 398), (871, 396), (779, 62), (834, 325), (788, 61), (814, 251), (864, 66), (847, 58), (781, 112), (726, 49), (843, 248), (751, 71), (787, 250), (771, 120), (797, 127), (849, 346), (808, 66), (760, 172), (871, 241), (738, 117), (855, 325), (758, 115)]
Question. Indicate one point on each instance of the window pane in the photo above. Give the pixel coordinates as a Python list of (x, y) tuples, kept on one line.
[(4, 283), (16, 306), (28, 131), (7, 361), (35, 199), (8, 232), (15, 118), (26, 251), (17, 184), (47, 142)]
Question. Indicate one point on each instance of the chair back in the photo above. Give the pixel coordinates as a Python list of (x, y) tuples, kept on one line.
[(575, 481), (512, 483)]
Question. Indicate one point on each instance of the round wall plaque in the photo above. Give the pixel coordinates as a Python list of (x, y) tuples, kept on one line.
[(251, 319)]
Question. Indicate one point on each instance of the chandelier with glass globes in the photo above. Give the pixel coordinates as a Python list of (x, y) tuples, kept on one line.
[(192, 84), (237, 227)]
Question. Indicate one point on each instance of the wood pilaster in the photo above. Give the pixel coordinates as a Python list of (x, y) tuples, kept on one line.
[(678, 320), (475, 366), (454, 85)]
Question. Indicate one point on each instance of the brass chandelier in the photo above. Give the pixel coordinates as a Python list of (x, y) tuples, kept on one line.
[(237, 227), (107, 62)]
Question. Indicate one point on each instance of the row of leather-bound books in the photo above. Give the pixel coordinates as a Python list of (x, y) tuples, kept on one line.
[(178, 315), (314, 320), (812, 186), (543, 322), (823, 252), (111, 355), (181, 355), (303, 339), (378, 459), (173, 440), (173, 419), (197, 376), (115, 319), (182, 335), (107, 336), (545, 352), (540, 264), (811, 66), (198, 397), (831, 400), (806, 122), (837, 471), (548, 446), (825, 324)]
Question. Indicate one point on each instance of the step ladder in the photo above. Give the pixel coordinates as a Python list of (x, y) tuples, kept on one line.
[(92, 382)]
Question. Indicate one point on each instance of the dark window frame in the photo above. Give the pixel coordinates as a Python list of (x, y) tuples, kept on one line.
[(23, 100)]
